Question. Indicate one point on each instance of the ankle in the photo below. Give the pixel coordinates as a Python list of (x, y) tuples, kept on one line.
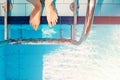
[(38, 6), (48, 2)]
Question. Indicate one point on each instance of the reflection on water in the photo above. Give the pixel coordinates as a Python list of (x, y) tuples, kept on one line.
[(47, 33), (96, 59)]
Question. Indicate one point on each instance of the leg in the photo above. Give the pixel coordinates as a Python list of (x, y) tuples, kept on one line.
[(51, 13), (35, 14)]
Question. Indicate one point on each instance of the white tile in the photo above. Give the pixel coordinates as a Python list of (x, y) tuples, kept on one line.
[(64, 10), (1, 1), (28, 9), (59, 1), (83, 1), (20, 1), (68, 1), (18, 10), (80, 1), (1, 11), (25, 1), (82, 9)]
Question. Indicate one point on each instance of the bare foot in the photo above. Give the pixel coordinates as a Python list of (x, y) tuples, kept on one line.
[(35, 15), (51, 13)]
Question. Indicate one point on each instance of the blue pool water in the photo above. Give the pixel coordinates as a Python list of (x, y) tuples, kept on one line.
[(95, 59)]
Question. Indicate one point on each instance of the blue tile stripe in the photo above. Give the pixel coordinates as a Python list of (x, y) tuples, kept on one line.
[(1, 20), (25, 20)]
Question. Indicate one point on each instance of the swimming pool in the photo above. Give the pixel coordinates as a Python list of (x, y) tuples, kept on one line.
[(95, 59)]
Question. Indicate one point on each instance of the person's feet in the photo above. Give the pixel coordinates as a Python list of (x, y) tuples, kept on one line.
[(35, 15), (51, 13)]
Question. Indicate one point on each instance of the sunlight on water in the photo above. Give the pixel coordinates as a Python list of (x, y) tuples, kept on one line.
[(47, 32), (96, 59)]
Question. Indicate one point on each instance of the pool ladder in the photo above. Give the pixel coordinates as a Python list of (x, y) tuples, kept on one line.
[(88, 21)]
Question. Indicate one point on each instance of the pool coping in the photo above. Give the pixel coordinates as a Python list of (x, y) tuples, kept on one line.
[(63, 20)]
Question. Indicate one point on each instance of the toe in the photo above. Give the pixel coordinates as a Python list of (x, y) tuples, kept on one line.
[(56, 20), (53, 22), (35, 27), (32, 25), (50, 23)]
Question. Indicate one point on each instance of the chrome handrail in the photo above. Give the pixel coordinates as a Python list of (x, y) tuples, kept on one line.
[(6, 30), (88, 21), (40, 41)]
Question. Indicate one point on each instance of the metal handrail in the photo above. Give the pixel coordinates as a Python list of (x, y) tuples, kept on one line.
[(40, 41), (88, 21), (6, 30), (6, 27)]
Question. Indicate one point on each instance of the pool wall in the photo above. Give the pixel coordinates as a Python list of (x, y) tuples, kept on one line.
[(103, 8), (2, 63)]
